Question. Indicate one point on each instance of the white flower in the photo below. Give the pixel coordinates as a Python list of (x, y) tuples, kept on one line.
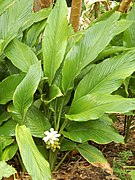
[(51, 136), (51, 139)]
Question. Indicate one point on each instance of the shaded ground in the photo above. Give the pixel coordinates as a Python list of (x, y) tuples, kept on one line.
[(76, 168)]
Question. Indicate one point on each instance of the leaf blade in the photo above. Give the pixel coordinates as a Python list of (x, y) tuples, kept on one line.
[(97, 131), (8, 86), (93, 106), (84, 51), (6, 170), (129, 39), (23, 95), (36, 122), (94, 156), (109, 74), (12, 20), (31, 156), (55, 39), (20, 55)]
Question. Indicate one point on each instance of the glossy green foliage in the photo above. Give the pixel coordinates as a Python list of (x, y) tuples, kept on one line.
[(91, 154), (4, 117), (31, 156), (55, 39), (8, 86), (94, 156), (8, 128), (129, 38), (67, 145), (87, 48), (12, 20), (107, 76), (20, 55), (36, 17), (5, 4), (4, 141), (112, 50), (36, 122), (23, 95), (9, 152), (52, 76), (93, 106), (34, 32), (6, 170), (82, 132)]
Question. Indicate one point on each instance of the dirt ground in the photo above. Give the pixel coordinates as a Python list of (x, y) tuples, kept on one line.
[(76, 168)]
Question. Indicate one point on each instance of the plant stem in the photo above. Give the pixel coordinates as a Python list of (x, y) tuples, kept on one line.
[(128, 124), (125, 124), (21, 163), (61, 161), (55, 114), (59, 116), (52, 158), (129, 167), (63, 126)]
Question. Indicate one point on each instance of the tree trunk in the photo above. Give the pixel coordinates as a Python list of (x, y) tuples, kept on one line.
[(75, 14), (124, 5)]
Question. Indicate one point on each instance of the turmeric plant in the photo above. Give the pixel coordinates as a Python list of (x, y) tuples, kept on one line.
[(58, 88)]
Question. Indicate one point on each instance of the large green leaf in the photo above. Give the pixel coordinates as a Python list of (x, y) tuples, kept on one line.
[(23, 95), (12, 19), (4, 141), (55, 39), (91, 154), (21, 55), (9, 152), (112, 50), (8, 128), (107, 76), (5, 4), (37, 17), (93, 106), (67, 145), (87, 49), (34, 162), (54, 92), (97, 131), (36, 122), (4, 117), (122, 25), (129, 38), (6, 170), (14, 113), (94, 156), (34, 32), (8, 86)]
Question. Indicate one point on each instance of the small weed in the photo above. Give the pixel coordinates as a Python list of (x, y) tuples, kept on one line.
[(119, 165)]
